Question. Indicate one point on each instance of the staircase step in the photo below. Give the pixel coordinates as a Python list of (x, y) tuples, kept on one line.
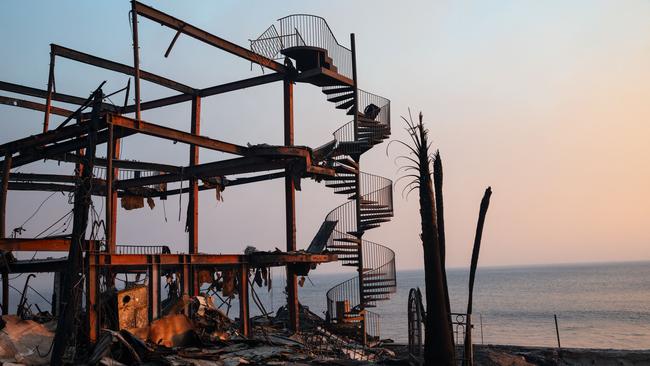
[(343, 246), (341, 97), (391, 280), (373, 221), (341, 177), (349, 162), (367, 205), (346, 191), (369, 123), (345, 169), (376, 216), (372, 287), (373, 293), (346, 105), (341, 185), (374, 274), (344, 89), (350, 264), (383, 298), (368, 227), (348, 240)]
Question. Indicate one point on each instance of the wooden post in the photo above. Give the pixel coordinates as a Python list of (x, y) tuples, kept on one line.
[(290, 211), (50, 87), (243, 300), (70, 296), (3, 229)]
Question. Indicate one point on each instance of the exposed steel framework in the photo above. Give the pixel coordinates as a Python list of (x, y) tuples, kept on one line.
[(310, 54)]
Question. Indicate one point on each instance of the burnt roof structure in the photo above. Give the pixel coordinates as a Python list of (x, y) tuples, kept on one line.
[(298, 49)]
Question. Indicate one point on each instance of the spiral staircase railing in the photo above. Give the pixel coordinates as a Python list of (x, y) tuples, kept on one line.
[(370, 197)]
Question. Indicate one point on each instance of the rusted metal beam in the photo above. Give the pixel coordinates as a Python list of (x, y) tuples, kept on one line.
[(213, 90), (40, 93), (124, 164), (6, 176), (201, 35), (60, 244), (3, 234), (118, 67), (15, 102), (66, 324), (136, 60), (48, 99), (175, 135), (55, 150), (110, 208), (244, 320), (290, 210), (45, 138), (193, 204)]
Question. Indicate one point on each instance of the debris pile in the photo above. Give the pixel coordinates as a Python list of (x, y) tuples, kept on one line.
[(209, 337)]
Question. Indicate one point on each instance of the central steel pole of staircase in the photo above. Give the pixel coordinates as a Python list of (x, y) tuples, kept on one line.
[(357, 178), (290, 205)]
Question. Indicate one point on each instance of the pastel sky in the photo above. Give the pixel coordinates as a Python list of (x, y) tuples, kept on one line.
[(547, 102)]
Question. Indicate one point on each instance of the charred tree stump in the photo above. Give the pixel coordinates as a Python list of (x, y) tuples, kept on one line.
[(485, 203)]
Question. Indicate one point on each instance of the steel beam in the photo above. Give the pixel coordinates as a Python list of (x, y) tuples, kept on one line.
[(37, 245), (118, 67), (3, 234), (40, 93), (244, 320), (15, 102), (175, 135), (194, 32), (213, 90), (290, 210), (193, 208)]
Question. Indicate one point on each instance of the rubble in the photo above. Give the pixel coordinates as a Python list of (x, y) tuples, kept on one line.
[(25, 341), (209, 337)]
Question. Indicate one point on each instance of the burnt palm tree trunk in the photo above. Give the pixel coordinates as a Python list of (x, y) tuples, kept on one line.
[(439, 343)]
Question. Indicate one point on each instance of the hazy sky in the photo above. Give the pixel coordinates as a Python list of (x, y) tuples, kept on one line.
[(547, 102)]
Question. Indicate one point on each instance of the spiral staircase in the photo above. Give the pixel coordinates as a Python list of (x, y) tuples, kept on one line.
[(308, 41)]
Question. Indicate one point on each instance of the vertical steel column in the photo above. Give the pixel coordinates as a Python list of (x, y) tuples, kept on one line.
[(243, 300), (290, 210), (153, 287), (3, 229), (110, 208), (71, 301), (186, 280), (92, 296), (136, 60), (357, 178), (193, 204), (50, 87)]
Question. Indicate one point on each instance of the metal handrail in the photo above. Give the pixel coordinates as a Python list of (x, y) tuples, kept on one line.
[(313, 31)]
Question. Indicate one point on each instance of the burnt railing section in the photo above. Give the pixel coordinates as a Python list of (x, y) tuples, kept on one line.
[(303, 30), (142, 249), (270, 43)]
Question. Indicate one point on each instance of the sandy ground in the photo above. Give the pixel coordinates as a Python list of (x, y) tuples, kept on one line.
[(497, 355)]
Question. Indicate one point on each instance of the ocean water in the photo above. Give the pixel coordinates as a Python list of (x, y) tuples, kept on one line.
[(597, 305)]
